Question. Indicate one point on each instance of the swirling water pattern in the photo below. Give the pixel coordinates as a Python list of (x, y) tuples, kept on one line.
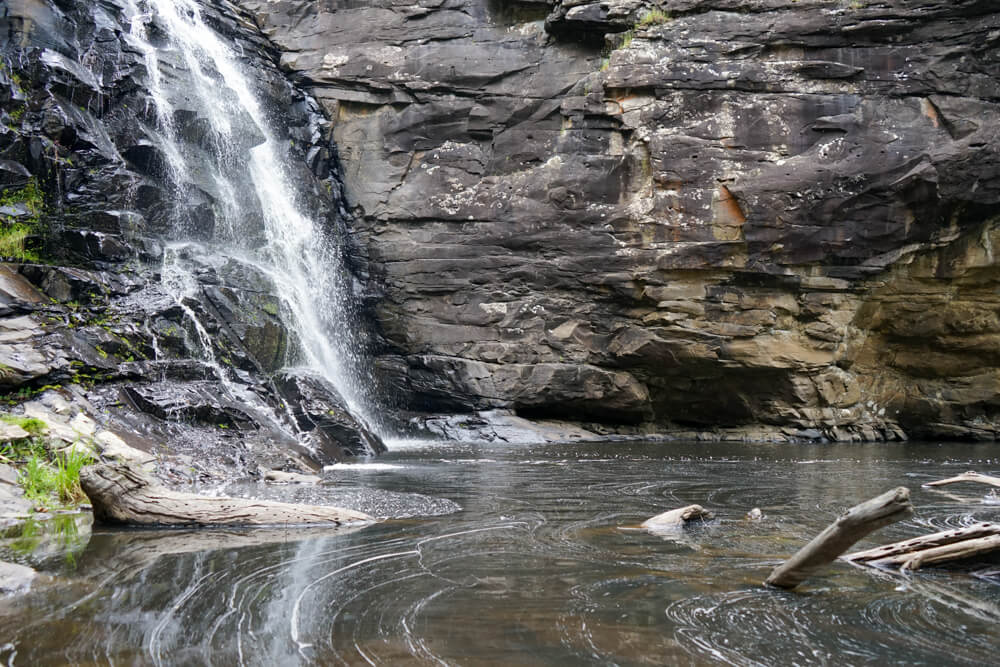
[(529, 555)]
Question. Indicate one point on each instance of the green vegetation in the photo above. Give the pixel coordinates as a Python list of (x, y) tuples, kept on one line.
[(32, 425), (22, 450), (14, 77), (46, 482), (24, 393), (14, 233), (653, 17), (48, 478), (12, 240), (30, 195)]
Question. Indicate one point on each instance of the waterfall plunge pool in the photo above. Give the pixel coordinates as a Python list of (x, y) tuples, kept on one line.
[(524, 554)]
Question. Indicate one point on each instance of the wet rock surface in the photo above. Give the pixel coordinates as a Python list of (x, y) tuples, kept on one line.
[(15, 578), (323, 416), (113, 299), (766, 217)]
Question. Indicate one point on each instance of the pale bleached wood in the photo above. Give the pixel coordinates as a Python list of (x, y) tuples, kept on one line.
[(121, 494), (971, 476), (930, 541), (839, 536), (948, 553), (677, 517)]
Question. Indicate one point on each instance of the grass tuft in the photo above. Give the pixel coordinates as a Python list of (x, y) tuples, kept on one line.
[(37, 478), (12, 240), (653, 17), (47, 483), (67, 477), (13, 234)]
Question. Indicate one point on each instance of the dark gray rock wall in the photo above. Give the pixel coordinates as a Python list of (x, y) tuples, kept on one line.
[(771, 215), (82, 302)]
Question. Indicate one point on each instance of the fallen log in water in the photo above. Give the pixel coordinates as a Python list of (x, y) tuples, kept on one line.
[(677, 517), (949, 553), (971, 476), (121, 494), (888, 551), (839, 536)]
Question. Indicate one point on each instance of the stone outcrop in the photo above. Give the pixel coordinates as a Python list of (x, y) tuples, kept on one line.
[(772, 216), (108, 298)]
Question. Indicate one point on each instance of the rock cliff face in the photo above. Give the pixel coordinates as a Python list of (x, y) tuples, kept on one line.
[(773, 218), (90, 311)]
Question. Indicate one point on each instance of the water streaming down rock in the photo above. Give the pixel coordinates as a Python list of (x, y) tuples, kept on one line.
[(257, 217)]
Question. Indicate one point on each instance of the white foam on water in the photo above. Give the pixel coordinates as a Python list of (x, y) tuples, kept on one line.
[(363, 466)]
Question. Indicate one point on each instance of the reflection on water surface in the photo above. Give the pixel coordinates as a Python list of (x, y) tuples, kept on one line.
[(527, 555)]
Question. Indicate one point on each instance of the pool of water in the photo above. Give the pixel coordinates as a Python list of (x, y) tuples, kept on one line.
[(526, 555)]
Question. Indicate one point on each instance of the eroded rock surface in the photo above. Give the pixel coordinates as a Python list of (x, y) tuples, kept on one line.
[(773, 216), (117, 297)]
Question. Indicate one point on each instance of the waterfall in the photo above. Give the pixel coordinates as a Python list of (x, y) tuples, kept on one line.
[(260, 217)]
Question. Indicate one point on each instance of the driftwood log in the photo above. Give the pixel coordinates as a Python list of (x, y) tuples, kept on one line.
[(971, 476), (949, 553), (947, 546), (121, 494), (975, 531), (677, 517), (841, 535)]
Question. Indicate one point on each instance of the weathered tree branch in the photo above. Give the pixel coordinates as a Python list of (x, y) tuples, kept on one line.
[(971, 476), (121, 494), (839, 536), (878, 554), (946, 554)]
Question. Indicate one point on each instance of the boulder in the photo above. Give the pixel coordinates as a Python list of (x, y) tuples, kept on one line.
[(323, 416)]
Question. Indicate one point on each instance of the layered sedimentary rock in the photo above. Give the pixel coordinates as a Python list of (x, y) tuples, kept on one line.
[(775, 217), (109, 297)]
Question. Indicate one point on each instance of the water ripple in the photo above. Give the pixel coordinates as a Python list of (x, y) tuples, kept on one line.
[(525, 556)]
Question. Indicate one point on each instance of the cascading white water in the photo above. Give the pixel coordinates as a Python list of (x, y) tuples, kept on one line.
[(296, 253)]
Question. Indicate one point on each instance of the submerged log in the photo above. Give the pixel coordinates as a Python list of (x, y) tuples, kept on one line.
[(971, 476), (121, 494), (839, 536), (677, 517), (888, 551)]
